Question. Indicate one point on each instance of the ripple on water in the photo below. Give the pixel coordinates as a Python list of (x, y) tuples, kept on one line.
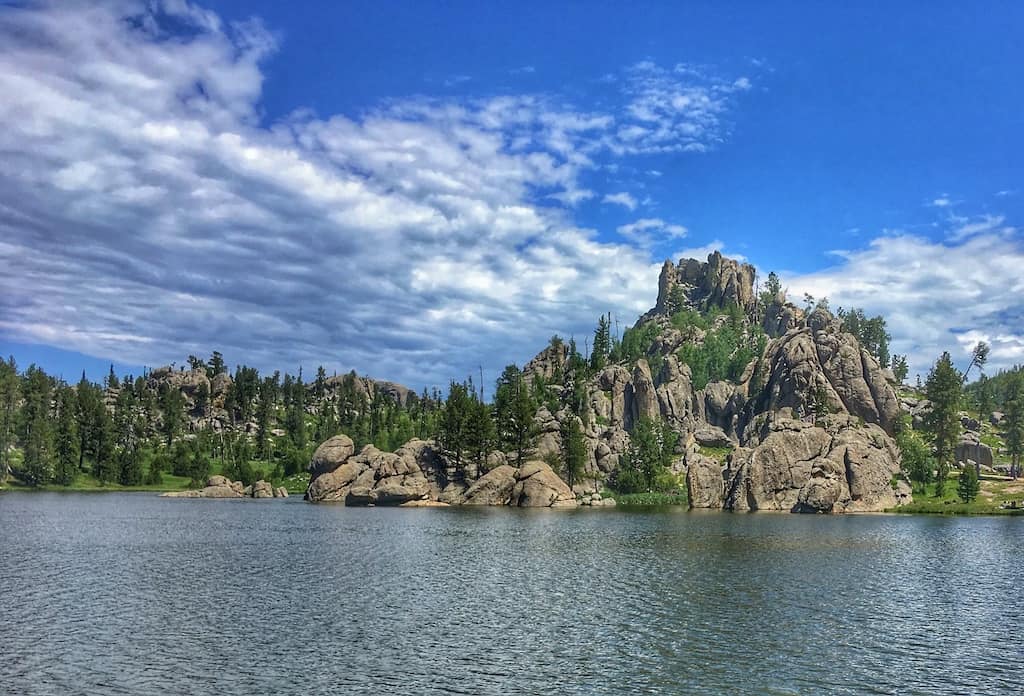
[(133, 594)]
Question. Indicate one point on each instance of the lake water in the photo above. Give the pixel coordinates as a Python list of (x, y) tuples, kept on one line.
[(134, 594)]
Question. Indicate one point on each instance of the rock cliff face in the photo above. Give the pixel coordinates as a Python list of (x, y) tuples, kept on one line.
[(809, 421)]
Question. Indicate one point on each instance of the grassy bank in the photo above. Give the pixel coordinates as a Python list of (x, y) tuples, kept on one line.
[(87, 483), (994, 494)]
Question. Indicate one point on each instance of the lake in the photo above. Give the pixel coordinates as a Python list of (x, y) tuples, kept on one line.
[(135, 594)]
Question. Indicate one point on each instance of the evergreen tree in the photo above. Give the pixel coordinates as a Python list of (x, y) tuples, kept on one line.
[(264, 412), (647, 458), (9, 395), (968, 485), (68, 442), (574, 451), (295, 415), (943, 389), (1014, 422), (112, 381), (915, 459), (900, 368), (172, 412), (453, 430), (36, 428), (481, 434), (602, 344), (320, 385), (216, 365), (514, 410)]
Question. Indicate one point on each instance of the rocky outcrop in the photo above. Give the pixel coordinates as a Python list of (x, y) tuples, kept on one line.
[(538, 486), (222, 487), (493, 488), (792, 465), (417, 474), (718, 283), (810, 368), (373, 477), (971, 449)]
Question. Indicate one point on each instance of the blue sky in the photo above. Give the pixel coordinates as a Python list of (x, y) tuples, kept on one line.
[(411, 190)]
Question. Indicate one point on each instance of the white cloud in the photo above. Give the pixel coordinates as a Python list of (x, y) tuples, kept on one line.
[(146, 212), (941, 202), (646, 232), (935, 296), (985, 223), (622, 198)]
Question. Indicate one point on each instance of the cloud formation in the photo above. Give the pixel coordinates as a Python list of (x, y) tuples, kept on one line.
[(935, 295), (146, 211)]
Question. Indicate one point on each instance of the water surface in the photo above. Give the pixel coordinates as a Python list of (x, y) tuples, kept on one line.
[(134, 594)]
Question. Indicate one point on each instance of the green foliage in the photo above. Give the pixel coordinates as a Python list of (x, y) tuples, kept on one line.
[(900, 368), (1014, 421), (968, 486), (636, 343), (514, 409), (647, 458), (9, 395), (688, 319), (724, 353), (870, 332), (915, 458), (35, 429), (574, 451), (602, 344), (944, 389), (67, 440), (172, 405)]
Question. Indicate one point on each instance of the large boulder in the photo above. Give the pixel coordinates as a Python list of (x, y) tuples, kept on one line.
[(493, 488), (538, 486), (971, 449), (330, 455), (704, 482)]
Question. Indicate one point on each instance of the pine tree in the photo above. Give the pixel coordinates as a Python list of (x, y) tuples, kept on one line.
[(453, 431), (968, 485), (944, 389), (172, 412), (481, 434), (67, 440), (1014, 422), (602, 344), (514, 410), (574, 451), (36, 428), (9, 395)]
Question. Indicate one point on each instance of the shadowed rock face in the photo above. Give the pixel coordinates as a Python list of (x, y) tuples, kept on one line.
[(840, 466)]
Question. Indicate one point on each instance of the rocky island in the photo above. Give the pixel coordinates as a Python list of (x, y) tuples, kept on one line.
[(806, 425)]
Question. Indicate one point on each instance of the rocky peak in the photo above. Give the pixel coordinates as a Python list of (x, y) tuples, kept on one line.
[(716, 283)]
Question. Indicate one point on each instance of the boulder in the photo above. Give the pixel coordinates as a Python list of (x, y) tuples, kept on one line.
[(971, 449), (711, 436), (538, 486), (330, 455), (704, 482), (262, 489), (493, 488)]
